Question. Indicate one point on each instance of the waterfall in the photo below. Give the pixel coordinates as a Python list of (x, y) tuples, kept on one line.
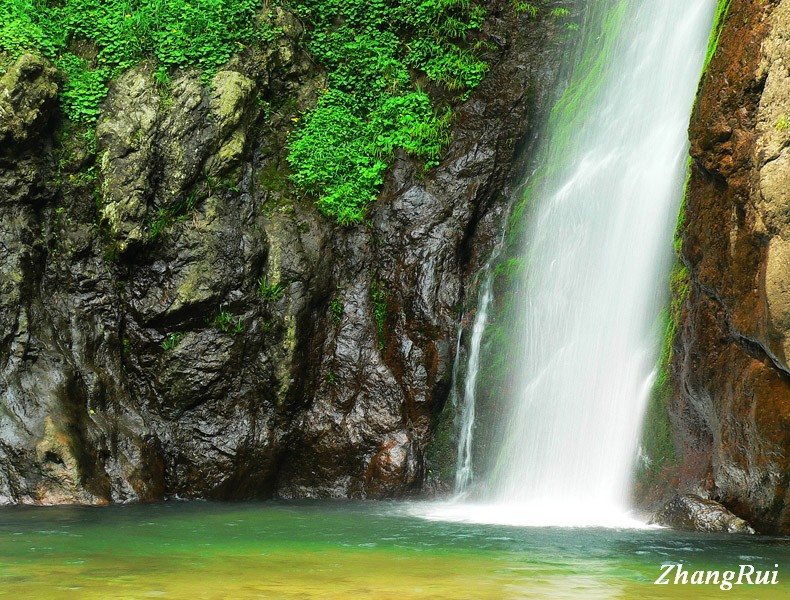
[(463, 469), (597, 254)]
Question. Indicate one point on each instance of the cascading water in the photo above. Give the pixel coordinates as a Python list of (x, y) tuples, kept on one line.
[(463, 469), (598, 254)]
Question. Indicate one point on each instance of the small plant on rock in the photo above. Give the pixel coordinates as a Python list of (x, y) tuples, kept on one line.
[(171, 341), (227, 322), (270, 292), (525, 7), (336, 309)]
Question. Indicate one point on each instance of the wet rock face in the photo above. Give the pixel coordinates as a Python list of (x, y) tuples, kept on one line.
[(177, 321), (692, 513), (731, 410), (29, 91)]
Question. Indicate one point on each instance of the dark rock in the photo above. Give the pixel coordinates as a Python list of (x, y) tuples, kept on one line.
[(139, 358)]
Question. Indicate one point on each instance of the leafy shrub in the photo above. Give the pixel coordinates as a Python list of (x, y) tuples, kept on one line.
[(372, 50), (25, 26), (83, 88), (332, 156), (373, 108), (342, 158), (177, 33)]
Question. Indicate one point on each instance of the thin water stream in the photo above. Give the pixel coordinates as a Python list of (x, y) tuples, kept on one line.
[(463, 472)]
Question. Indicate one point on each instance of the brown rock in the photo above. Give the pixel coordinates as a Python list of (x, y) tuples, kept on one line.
[(731, 408)]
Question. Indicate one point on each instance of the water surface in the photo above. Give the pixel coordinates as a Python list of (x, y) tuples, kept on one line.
[(369, 550)]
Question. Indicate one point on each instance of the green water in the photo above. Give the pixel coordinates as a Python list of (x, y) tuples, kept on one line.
[(319, 550)]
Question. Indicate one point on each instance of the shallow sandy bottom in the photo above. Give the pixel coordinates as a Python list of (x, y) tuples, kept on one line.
[(204, 550)]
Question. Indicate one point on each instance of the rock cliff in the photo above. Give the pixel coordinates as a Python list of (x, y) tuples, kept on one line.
[(730, 409), (177, 321)]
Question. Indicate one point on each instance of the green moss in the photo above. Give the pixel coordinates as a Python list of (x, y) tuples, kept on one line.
[(657, 441), (722, 8), (273, 178), (658, 444), (442, 452)]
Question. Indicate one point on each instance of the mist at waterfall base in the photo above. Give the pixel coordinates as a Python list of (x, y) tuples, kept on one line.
[(598, 255)]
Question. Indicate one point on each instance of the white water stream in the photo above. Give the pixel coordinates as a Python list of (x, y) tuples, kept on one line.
[(599, 242), (463, 468)]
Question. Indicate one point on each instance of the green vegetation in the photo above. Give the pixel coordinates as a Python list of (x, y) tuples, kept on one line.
[(227, 322), (336, 309), (165, 217), (171, 341), (520, 6), (83, 88), (722, 8), (782, 123), (270, 292), (373, 107), (442, 452), (379, 313), (657, 441), (175, 33), (378, 55)]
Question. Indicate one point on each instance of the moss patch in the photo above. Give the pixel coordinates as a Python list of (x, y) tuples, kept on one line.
[(722, 8), (658, 447)]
